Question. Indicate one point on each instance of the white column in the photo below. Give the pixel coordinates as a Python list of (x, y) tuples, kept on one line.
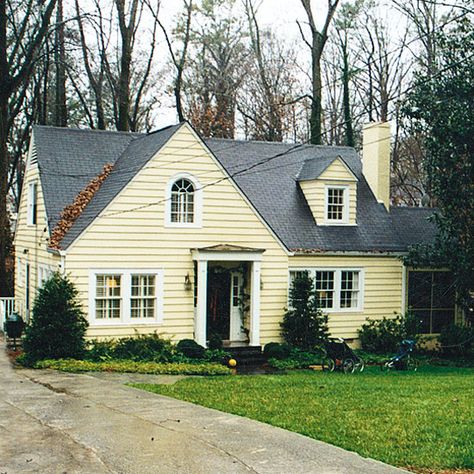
[(201, 307), (255, 305)]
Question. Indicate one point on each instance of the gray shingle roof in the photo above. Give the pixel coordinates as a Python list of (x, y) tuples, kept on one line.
[(133, 158), (68, 159), (273, 190), (412, 225)]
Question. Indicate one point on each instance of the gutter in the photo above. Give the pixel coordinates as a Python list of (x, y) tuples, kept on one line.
[(350, 253), (62, 255)]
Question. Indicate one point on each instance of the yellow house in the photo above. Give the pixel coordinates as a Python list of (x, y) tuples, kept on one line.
[(192, 237)]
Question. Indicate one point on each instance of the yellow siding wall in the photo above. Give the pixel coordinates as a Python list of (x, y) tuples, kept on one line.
[(315, 191), (382, 289), (139, 240), (33, 239)]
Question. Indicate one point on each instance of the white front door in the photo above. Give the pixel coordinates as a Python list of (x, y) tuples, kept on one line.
[(236, 306)]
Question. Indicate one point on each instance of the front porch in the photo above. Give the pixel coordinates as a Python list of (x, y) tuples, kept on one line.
[(227, 295)]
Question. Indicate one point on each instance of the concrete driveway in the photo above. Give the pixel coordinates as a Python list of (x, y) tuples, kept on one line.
[(53, 422)]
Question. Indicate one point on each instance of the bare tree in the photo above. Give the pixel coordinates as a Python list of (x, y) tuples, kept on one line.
[(218, 68), (60, 106), (316, 44), (22, 31), (110, 71), (178, 58)]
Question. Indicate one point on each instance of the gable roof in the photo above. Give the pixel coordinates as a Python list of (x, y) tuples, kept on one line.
[(272, 189), (313, 169), (69, 158), (265, 172), (131, 161)]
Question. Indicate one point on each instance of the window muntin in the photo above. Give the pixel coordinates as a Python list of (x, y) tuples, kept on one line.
[(32, 209), (108, 296), (338, 290), (143, 296), (337, 205), (335, 208), (431, 298), (349, 289), (182, 202), (324, 281), (125, 296)]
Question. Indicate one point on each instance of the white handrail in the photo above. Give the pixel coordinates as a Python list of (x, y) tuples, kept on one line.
[(7, 307)]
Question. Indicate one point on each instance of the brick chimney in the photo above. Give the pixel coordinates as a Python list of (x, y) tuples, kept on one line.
[(376, 160)]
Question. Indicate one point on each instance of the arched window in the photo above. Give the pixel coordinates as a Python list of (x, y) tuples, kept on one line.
[(182, 202)]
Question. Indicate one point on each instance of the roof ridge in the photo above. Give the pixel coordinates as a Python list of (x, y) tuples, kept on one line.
[(88, 130), (267, 142)]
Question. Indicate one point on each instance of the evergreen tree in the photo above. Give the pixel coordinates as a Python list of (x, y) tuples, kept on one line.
[(442, 110), (58, 324), (304, 324)]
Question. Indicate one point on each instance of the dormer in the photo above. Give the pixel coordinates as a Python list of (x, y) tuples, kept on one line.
[(330, 188)]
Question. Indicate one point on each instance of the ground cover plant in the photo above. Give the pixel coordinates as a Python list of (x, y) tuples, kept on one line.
[(423, 419), (131, 366)]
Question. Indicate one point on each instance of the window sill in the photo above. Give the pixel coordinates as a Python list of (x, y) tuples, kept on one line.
[(107, 324), (335, 223), (173, 225)]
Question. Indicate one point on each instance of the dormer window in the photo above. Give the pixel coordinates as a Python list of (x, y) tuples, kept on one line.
[(183, 202), (337, 204)]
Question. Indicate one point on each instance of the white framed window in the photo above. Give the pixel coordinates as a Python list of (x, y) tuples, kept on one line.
[(32, 206), (183, 202), (108, 296), (338, 289), (337, 205), (43, 273), (125, 296), (143, 296)]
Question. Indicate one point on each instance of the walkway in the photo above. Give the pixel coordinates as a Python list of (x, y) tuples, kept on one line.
[(65, 423)]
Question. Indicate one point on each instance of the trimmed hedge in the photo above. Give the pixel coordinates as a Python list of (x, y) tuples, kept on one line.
[(130, 366)]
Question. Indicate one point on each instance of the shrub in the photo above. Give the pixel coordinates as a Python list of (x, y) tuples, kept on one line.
[(100, 350), (383, 336), (132, 366), (275, 350), (297, 359), (304, 324), (216, 355), (456, 340), (58, 324), (191, 349), (150, 347), (215, 341)]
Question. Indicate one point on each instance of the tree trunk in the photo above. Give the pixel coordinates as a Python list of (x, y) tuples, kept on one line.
[(316, 103), (4, 86), (349, 141), (60, 107)]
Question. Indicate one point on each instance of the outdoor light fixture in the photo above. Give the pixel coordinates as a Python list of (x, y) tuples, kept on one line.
[(187, 283)]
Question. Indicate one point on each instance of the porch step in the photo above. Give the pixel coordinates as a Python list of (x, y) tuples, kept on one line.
[(247, 355)]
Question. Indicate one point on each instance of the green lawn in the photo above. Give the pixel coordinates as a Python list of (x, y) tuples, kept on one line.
[(422, 419)]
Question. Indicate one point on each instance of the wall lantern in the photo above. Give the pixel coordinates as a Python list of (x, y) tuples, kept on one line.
[(188, 286)]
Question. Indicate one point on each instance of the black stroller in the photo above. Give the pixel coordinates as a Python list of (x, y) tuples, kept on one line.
[(339, 356)]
